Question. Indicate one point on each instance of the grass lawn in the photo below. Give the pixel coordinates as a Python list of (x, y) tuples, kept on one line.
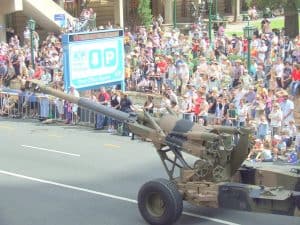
[(276, 23)]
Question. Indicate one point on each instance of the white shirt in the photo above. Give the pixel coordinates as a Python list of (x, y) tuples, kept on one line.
[(287, 108), (276, 117), (242, 113), (262, 52), (279, 70)]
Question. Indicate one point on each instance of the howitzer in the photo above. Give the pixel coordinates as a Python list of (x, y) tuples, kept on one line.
[(207, 178)]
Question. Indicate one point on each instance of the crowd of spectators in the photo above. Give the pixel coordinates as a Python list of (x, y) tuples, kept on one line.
[(207, 83)]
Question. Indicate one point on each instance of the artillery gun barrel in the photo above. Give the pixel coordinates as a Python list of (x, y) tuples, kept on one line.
[(86, 103)]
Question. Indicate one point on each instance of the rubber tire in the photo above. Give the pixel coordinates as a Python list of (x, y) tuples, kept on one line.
[(297, 200), (171, 197)]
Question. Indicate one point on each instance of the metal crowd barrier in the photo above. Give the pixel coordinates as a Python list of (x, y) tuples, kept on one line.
[(26, 105)]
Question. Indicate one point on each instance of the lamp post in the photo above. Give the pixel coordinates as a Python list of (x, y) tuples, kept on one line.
[(216, 10), (174, 13), (248, 33), (210, 2), (31, 25)]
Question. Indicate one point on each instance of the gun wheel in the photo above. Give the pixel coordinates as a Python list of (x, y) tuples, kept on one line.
[(297, 201), (160, 202)]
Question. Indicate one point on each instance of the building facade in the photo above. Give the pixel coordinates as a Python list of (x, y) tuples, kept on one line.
[(124, 12)]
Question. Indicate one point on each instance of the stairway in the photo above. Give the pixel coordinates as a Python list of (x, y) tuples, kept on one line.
[(43, 12)]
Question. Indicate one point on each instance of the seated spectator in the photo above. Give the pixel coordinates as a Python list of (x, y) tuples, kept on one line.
[(266, 154), (145, 85), (256, 149), (279, 146), (149, 105)]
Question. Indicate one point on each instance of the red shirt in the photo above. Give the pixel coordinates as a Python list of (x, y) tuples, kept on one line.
[(296, 74), (162, 65), (198, 102), (104, 98), (38, 73)]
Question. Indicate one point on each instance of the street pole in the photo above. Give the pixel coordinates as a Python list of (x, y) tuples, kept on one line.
[(31, 26), (249, 51), (209, 21), (174, 14), (31, 49)]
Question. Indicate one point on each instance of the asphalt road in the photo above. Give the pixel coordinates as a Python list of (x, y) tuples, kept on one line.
[(60, 175)]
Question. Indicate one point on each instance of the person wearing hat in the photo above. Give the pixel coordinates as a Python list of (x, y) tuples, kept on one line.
[(187, 107), (287, 107), (276, 118), (256, 149)]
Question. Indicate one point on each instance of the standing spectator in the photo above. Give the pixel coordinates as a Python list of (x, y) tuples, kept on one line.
[(115, 100), (242, 112), (287, 107), (238, 70), (232, 115), (187, 107), (219, 111), (262, 128), (262, 50), (104, 99), (276, 118), (286, 78), (46, 77), (288, 48), (3, 71), (212, 105), (279, 67), (26, 36), (203, 114), (74, 107), (11, 74), (15, 61), (126, 106)]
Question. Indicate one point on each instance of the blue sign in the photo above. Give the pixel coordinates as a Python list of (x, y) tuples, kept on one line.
[(91, 63), (60, 19)]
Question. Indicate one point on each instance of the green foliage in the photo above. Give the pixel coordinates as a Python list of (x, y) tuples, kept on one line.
[(272, 4), (248, 3), (144, 12)]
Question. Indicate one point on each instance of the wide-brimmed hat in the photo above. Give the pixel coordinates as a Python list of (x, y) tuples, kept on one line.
[(284, 93)]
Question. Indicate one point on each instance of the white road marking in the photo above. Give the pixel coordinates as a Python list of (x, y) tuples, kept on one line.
[(49, 150), (210, 219), (7, 127), (105, 195)]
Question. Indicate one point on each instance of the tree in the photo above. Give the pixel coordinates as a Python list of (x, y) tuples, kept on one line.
[(291, 23), (144, 12)]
